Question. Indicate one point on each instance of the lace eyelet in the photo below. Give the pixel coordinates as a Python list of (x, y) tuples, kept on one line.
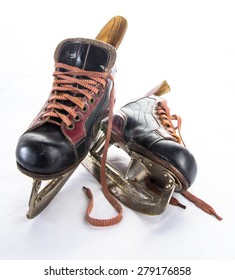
[(42, 115), (84, 109), (92, 100), (77, 118), (101, 90), (71, 126)]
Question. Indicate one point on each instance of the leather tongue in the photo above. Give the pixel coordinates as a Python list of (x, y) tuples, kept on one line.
[(86, 54), (89, 55)]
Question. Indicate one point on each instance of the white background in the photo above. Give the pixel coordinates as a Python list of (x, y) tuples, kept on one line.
[(190, 44)]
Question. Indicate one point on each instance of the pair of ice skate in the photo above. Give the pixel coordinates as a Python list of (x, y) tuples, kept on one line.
[(76, 125)]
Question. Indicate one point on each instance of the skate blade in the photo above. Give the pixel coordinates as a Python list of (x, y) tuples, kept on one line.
[(129, 186), (41, 196)]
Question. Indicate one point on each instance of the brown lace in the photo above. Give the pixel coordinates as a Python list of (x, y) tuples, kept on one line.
[(107, 194), (197, 201), (164, 114), (64, 90), (201, 204)]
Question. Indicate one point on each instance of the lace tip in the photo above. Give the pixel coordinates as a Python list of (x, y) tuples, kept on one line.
[(181, 205), (84, 188), (217, 217)]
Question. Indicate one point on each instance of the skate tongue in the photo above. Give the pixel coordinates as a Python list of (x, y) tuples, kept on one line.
[(86, 54)]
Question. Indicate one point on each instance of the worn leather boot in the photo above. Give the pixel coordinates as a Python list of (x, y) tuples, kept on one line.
[(159, 165), (144, 129), (63, 132)]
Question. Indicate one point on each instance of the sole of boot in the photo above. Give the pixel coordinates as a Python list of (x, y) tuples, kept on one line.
[(39, 176)]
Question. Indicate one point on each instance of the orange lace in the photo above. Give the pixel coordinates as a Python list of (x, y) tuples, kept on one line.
[(65, 89), (201, 204), (111, 221), (164, 114)]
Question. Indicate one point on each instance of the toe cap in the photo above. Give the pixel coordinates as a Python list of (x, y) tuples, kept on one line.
[(44, 151), (178, 156)]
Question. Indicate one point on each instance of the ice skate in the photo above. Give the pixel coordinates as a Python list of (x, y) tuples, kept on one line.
[(63, 132), (159, 161)]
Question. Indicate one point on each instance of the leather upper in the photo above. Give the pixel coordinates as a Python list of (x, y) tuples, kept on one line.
[(46, 148), (137, 122)]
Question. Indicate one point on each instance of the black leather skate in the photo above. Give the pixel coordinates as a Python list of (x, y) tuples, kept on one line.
[(63, 132), (144, 129), (160, 163)]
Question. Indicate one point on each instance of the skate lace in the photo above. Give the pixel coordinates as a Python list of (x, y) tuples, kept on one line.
[(71, 85), (194, 199), (116, 219), (163, 112)]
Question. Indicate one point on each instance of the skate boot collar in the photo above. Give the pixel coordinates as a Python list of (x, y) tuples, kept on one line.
[(86, 54)]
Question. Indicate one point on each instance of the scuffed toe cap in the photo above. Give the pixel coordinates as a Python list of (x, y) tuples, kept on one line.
[(177, 155), (44, 153)]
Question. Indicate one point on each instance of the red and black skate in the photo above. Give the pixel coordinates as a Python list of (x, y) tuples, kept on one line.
[(63, 132)]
